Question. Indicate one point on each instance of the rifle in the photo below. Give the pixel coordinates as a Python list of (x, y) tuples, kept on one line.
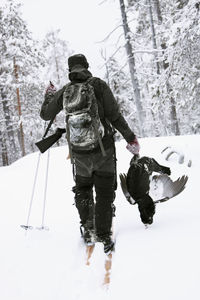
[(46, 143)]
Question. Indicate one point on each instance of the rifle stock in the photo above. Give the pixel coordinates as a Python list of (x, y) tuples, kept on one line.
[(46, 143)]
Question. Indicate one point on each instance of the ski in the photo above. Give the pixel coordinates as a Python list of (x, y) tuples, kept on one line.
[(89, 251), (108, 266)]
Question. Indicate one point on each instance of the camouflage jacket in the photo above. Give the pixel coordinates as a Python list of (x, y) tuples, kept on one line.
[(107, 106)]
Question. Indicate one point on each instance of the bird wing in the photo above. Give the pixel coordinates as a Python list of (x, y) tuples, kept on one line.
[(171, 188), (124, 188)]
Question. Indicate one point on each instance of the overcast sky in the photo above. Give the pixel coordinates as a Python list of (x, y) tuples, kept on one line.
[(83, 24)]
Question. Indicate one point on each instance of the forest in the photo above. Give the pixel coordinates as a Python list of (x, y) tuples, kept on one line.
[(156, 85)]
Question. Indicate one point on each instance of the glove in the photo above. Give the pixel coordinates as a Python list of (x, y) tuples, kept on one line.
[(133, 146), (51, 88)]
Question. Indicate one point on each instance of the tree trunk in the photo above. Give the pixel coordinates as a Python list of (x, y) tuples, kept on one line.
[(3, 149), (173, 113), (103, 55), (158, 11), (56, 59), (19, 110), (57, 69), (160, 110), (9, 128), (153, 35), (131, 63)]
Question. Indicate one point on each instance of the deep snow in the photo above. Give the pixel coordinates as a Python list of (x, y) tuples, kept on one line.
[(161, 262)]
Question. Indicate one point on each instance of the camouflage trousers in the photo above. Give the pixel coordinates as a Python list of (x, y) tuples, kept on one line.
[(95, 173)]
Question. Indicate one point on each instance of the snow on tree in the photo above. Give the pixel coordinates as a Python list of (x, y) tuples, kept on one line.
[(56, 52), (132, 68), (147, 57), (180, 35), (163, 40), (123, 92), (19, 64), (170, 98)]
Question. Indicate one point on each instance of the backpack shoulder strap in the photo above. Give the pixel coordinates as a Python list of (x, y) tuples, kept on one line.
[(92, 80)]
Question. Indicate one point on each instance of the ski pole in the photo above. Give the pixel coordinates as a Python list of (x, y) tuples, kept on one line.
[(45, 195), (26, 227)]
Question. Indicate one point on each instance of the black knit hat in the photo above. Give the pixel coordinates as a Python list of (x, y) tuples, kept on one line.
[(77, 59)]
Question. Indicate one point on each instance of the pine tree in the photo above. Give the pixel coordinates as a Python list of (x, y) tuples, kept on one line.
[(147, 58), (19, 64), (56, 52), (160, 94), (180, 40)]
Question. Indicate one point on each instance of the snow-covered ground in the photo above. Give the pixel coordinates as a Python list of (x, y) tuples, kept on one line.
[(161, 262)]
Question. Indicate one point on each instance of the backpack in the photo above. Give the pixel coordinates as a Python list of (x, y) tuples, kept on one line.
[(84, 127)]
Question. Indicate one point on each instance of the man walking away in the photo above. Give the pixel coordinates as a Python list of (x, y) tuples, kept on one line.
[(92, 114)]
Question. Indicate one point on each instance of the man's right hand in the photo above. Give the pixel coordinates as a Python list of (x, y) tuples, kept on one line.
[(51, 88)]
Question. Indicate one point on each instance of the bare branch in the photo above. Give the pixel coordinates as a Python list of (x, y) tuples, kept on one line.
[(111, 56), (102, 2), (107, 37), (147, 51), (120, 25)]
